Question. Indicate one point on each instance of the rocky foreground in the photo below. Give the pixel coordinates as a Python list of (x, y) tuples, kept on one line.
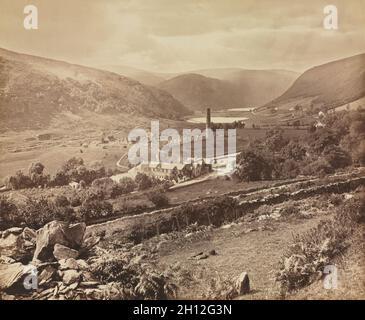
[(50, 263), (59, 261)]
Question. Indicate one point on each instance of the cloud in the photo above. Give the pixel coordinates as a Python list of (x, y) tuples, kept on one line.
[(171, 35)]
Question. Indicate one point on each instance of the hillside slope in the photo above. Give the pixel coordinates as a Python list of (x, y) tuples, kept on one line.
[(142, 76), (34, 90), (328, 85), (228, 88), (198, 92)]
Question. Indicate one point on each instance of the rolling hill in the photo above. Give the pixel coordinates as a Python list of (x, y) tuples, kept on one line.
[(142, 76), (198, 92), (327, 86), (35, 90), (228, 88)]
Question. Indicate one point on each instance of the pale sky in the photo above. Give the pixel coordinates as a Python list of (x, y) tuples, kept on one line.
[(178, 36)]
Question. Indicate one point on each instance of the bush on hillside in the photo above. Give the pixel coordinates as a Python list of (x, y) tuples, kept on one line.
[(143, 181), (158, 198), (312, 251), (134, 282), (9, 215), (94, 209)]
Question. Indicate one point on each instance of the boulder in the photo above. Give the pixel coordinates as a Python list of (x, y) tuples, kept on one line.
[(13, 246), (57, 232), (6, 260), (46, 275), (10, 274), (14, 230), (66, 264), (62, 252), (52, 233), (82, 264), (94, 294), (90, 242), (243, 284), (75, 234), (71, 276), (30, 235)]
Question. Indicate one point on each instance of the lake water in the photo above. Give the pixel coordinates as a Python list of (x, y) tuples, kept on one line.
[(216, 119), (242, 109)]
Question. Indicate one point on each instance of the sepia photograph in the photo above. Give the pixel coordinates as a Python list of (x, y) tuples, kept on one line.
[(182, 152)]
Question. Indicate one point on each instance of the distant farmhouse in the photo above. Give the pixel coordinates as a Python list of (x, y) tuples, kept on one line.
[(180, 170)]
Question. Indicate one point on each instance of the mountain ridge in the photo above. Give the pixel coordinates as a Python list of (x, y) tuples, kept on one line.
[(327, 85), (34, 89)]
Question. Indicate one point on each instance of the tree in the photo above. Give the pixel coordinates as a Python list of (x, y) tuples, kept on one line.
[(127, 184), (37, 212), (95, 209), (36, 174), (174, 174), (19, 181), (275, 140), (158, 198), (320, 167), (72, 163), (337, 157), (293, 150), (36, 168), (143, 181), (252, 167), (322, 138), (9, 216)]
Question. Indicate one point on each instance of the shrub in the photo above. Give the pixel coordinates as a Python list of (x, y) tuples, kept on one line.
[(288, 169), (93, 194), (61, 201), (290, 209), (275, 140), (65, 213), (158, 198), (19, 181), (252, 167), (337, 157), (294, 150), (354, 209), (321, 139), (9, 215), (134, 281), (317, 248), (36, 168), (37, 212), (143, 181), (60, 179), (320, 167), (75, 200), (221, 289), (336, 199), (75, 170), (310, 252), (93, 209), (124, 186)]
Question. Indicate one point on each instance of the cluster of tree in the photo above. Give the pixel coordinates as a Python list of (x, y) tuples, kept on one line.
[(73, 170), (226, 126), (144, 182), (34, 178), (36, 212), (339, 144), (158, 197), (112, 189)]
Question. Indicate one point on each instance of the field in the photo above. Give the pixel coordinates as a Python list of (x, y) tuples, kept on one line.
[(20, 149)]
